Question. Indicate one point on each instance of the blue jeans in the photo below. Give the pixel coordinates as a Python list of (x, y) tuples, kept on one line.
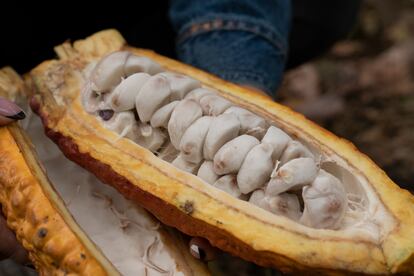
[(243, 41)]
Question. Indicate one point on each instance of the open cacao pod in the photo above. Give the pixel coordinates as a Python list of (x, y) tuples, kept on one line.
[(223, 162), (75, 225)]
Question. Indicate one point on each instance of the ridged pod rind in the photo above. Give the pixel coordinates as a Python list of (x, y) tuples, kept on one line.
[(184, 201), (52, 246)]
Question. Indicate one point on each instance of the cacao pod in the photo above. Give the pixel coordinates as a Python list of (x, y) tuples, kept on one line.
[(301, 199)]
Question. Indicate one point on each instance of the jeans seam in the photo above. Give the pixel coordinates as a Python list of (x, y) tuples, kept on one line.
[(230, 24)]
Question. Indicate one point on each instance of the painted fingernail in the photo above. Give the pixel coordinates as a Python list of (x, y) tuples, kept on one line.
[(10, 110), (202, 249), (18, 116), (198, 252)]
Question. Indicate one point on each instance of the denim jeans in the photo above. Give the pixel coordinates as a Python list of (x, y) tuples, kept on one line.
[(242, 41)]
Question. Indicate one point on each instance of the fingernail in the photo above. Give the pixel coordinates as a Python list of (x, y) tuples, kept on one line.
[(198, 252), (18, 116), (10, 110)]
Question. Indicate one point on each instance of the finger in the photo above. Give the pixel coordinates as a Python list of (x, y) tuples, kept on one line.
[(202, 249), (20, 254), (9, 112), (9, 246)]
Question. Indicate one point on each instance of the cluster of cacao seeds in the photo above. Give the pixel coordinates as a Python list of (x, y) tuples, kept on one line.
[(202, 133)]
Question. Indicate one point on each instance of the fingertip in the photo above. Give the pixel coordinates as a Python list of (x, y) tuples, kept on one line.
[(20, 255), (9, 246), (10, 112), (201, 249), (18, 116), (5, 121)]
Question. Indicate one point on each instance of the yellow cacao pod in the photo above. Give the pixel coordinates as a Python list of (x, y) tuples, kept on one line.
[(373, 234)]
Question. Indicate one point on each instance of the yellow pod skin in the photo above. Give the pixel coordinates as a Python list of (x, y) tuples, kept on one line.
[(184, 201)]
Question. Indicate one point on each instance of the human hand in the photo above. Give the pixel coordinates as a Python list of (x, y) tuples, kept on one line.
[(201, 249)]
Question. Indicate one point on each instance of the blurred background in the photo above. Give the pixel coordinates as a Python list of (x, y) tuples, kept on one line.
[(362, 89)]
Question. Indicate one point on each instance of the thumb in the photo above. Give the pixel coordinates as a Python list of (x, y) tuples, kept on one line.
[(9, 112)]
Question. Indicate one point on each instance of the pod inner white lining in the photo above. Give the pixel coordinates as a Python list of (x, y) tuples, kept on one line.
[(126, 234)]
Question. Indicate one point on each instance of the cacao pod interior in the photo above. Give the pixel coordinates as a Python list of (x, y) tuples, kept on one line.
[(102, 232), (210, 116), (364, 218), (384, 245)]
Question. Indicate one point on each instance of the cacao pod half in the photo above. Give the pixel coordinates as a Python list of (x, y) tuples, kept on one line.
[(76, 225), (375, 234)]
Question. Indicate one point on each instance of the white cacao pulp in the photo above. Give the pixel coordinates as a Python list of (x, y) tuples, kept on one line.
[(227, 146)]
